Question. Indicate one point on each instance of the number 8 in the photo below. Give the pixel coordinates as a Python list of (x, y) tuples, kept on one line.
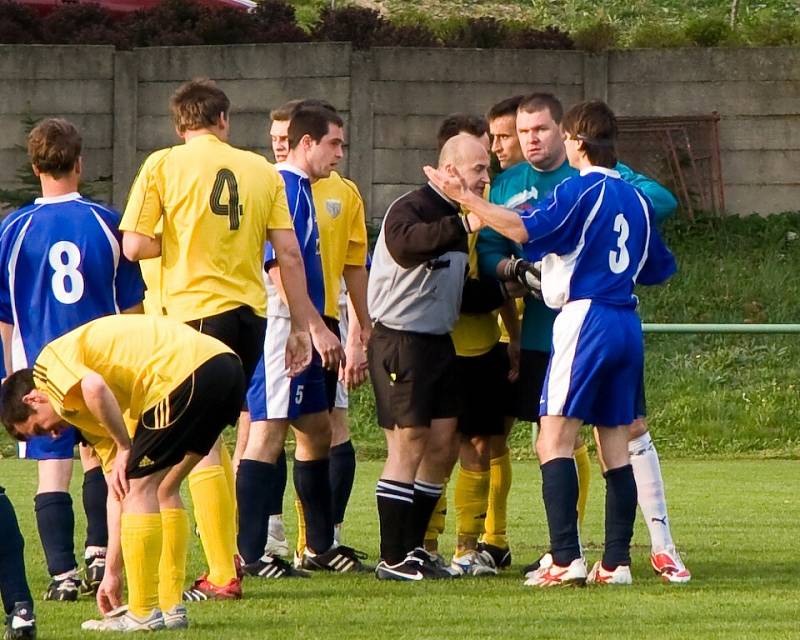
[(66, 271)]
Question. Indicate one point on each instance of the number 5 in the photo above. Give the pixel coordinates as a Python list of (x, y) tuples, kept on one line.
[(618, 260)]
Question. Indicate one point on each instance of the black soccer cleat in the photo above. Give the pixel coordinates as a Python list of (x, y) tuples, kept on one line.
[(21, 624), (433, 565), (269, 566), (65, 590), (500, 555), (95, 570), (340, 559)]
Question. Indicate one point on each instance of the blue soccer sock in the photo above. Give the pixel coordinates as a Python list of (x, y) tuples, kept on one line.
[(343, 473), (56, 523), (95, 495), (620, 516), (313, 487), (560, 494), (255, 482), (13, 584)]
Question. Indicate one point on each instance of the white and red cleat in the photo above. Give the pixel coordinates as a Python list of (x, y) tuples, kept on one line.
[(668, 564), (573, 575), (600, 575)]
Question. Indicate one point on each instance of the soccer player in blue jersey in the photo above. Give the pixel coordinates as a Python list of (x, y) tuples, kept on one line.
[(275, 401), (596, 238), (61, 267)]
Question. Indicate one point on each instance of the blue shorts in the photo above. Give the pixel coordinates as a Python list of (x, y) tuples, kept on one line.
[(272, 395), (47, 448), (596, 370)]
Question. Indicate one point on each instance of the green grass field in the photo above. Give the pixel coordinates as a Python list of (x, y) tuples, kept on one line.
[(735, 522)]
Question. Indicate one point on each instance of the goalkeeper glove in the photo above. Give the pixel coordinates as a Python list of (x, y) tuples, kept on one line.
[(528, 274)]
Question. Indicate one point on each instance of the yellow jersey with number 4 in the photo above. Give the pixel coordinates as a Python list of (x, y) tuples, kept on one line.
[(217, 203)]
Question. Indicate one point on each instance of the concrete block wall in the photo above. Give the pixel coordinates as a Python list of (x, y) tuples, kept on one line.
[(394, 99)]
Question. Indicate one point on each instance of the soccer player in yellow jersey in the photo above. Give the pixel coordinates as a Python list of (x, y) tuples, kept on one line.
[(152, 396), (343, 247), (218, 206)]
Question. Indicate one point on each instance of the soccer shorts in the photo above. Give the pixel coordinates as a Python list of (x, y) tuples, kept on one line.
[(190, 419), (596, 370), (484, 387), (526, 390), (62, 447), (239, 329), (272, 394), (342, 400), (414, 377), (332, 377)]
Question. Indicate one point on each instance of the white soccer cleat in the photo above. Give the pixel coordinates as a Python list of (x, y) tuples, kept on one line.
[(545, 561), (473, 563), (668, 564), (176, 618), (277, 544), (573, 575), (600, 575), (123, 621)]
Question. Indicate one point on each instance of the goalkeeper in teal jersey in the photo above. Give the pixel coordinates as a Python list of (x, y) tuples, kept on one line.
[(521, 187)]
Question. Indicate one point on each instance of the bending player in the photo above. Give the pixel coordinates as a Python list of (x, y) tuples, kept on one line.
[(61, 267), (596, 238)]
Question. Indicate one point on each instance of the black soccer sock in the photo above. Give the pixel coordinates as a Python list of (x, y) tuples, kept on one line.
[(275, 505), (395, 504), (95, 495), (560, 494), (13, 584), (56, 523), (255, 482), (313, 487), (426, 495), (620, 516), (343, 473)]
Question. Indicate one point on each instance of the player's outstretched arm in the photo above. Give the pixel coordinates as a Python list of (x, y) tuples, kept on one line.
[(104, 407), (109, 593), (502, 220)]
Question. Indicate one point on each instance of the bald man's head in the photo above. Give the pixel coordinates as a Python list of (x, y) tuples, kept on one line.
[(464, 154)]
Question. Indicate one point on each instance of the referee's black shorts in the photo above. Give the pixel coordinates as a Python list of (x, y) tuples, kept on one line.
[(485, 392), (526, 391), (414, 377), (239, 329), (190, 419), (332, 376)]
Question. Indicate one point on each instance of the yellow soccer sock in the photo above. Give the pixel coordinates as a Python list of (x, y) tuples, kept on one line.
[(584, 474), (230, 478), (437, 521), (141, 550), (301, 527), (172, 568), (497, 511), (471, 499), (213, 512)]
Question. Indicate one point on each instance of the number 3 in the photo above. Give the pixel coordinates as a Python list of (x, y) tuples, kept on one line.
[(66, 270), (618, 260)]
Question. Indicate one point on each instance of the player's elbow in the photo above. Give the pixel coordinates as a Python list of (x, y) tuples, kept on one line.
[(518, 233), (93, 386), (136, 246)]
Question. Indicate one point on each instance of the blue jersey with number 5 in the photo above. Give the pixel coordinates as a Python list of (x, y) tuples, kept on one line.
[(62, 266), (596, 239)]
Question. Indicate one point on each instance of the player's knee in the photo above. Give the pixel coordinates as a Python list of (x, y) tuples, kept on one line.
[(637, 428)]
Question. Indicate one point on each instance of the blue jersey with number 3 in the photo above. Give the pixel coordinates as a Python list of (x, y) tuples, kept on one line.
[(596, 239), (62, 266)]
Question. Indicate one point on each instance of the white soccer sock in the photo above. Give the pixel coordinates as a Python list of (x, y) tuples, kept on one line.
[(650, 488)]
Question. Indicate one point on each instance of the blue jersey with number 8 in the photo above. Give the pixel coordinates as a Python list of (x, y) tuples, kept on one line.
[(62, 266), (596, 239)]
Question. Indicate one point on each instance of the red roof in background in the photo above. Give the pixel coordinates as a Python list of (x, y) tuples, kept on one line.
[(126, 6)]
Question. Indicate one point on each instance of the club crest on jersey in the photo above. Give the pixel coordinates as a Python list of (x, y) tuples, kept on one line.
[(333, 207)]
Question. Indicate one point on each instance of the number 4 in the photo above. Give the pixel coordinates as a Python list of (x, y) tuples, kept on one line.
[(232, 209)]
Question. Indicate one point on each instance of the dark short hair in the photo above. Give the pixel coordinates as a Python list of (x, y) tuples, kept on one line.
[(197, 105), (595, 125), (54, 146), (506, 107), (534, 102), (287, 110), (457, 123), (12, 409), (311, 121)]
